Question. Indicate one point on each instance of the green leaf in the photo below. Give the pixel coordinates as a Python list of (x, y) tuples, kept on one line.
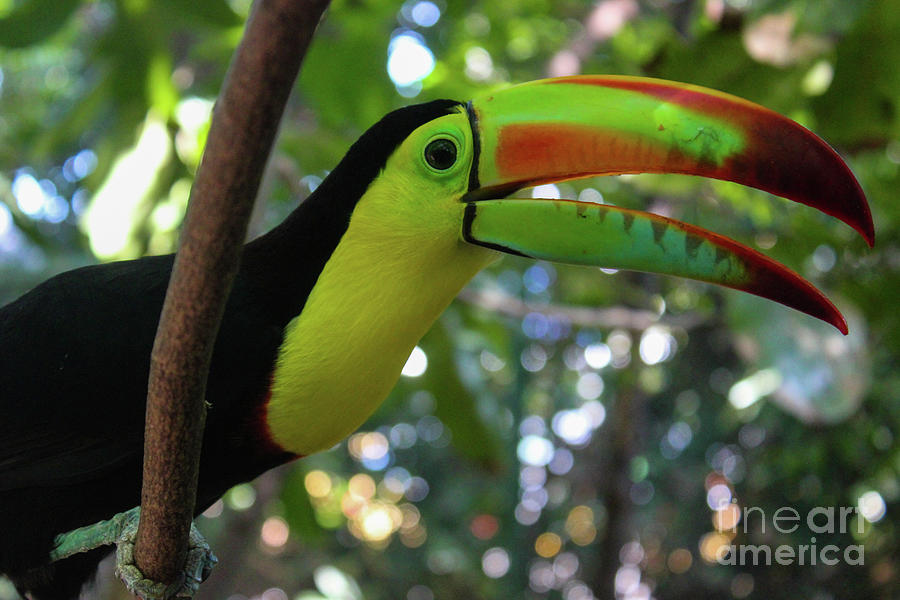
[(456, 406), (719, 60), (298, 510), (344, 77), (34, 21), (215, 13), (861, 106)]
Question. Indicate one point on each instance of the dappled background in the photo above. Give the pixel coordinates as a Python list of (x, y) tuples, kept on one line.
[(561, 432)]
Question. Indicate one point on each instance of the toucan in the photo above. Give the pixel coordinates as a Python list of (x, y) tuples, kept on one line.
[(327, 305)]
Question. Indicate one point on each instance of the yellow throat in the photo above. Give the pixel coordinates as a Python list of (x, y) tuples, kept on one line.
[(383, 287)]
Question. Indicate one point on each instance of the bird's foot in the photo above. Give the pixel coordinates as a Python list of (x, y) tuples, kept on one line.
[(198, 565), (121, 530)]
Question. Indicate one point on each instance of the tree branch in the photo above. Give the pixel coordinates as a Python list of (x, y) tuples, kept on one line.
[(498, 302), (243, 130)]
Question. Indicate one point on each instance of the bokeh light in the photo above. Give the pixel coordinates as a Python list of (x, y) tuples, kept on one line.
[(417, 489), (679, 560), (6, 220), (334, 583), (535, 450), (479, 64), (379, 521), (430, 429), (562, 461), (526, 515), (403, 435), (39, 199), (362, 486), (824, 258), (274, 532), (677, 438), (872, 506), (495, 562), (748, 391), (572, 426), (619, 342), (317, 483), (713, 545), (590, 386), (484, 526), (241, 497), (718, 496), (742, 585), (534, 358), (549, 191), (580, 525), (540, 576), (641, 492), (424, 13), (420, 592), (531, 477), (396, 480), (491, 362), (274, 594), (565, 566), (547, 545), (29, 194), (628, 577), (537, 279), (416, 364), (657, 345), (409, 59), (727, 517), (115, 207), (80, 166), (597, 355)]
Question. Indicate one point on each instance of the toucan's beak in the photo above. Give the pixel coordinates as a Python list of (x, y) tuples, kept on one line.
[(558, 129)]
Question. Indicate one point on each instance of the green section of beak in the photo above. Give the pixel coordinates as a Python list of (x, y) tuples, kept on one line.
[(606, 236), (565, 128), (638, 130)]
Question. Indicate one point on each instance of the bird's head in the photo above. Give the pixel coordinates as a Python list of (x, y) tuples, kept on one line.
[(449, 174)]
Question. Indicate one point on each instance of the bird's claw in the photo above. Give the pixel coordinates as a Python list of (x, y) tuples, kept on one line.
[(198, 565)]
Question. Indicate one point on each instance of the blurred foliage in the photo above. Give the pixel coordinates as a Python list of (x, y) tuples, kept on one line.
[(553, 448)]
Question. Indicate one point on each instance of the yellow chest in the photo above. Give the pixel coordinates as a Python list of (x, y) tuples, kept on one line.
[(342, 355)]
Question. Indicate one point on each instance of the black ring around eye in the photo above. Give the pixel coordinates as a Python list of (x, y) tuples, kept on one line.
[(440, 154)]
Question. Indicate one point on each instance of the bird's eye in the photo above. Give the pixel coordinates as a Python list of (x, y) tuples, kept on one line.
[(440, 154)]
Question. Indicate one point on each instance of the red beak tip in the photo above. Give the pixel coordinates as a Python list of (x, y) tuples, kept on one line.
[(837, 319), (869, 235), (864, 225), (862, 221), (842, 326)]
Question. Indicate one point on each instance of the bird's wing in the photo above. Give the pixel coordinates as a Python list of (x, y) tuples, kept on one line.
[(45, 459), (74, 358)]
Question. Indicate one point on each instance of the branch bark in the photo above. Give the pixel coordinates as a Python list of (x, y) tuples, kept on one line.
[(498, 302), (244, 125)]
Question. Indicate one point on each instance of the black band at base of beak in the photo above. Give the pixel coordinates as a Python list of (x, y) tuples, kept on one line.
[(474, 182), (468, 218)]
